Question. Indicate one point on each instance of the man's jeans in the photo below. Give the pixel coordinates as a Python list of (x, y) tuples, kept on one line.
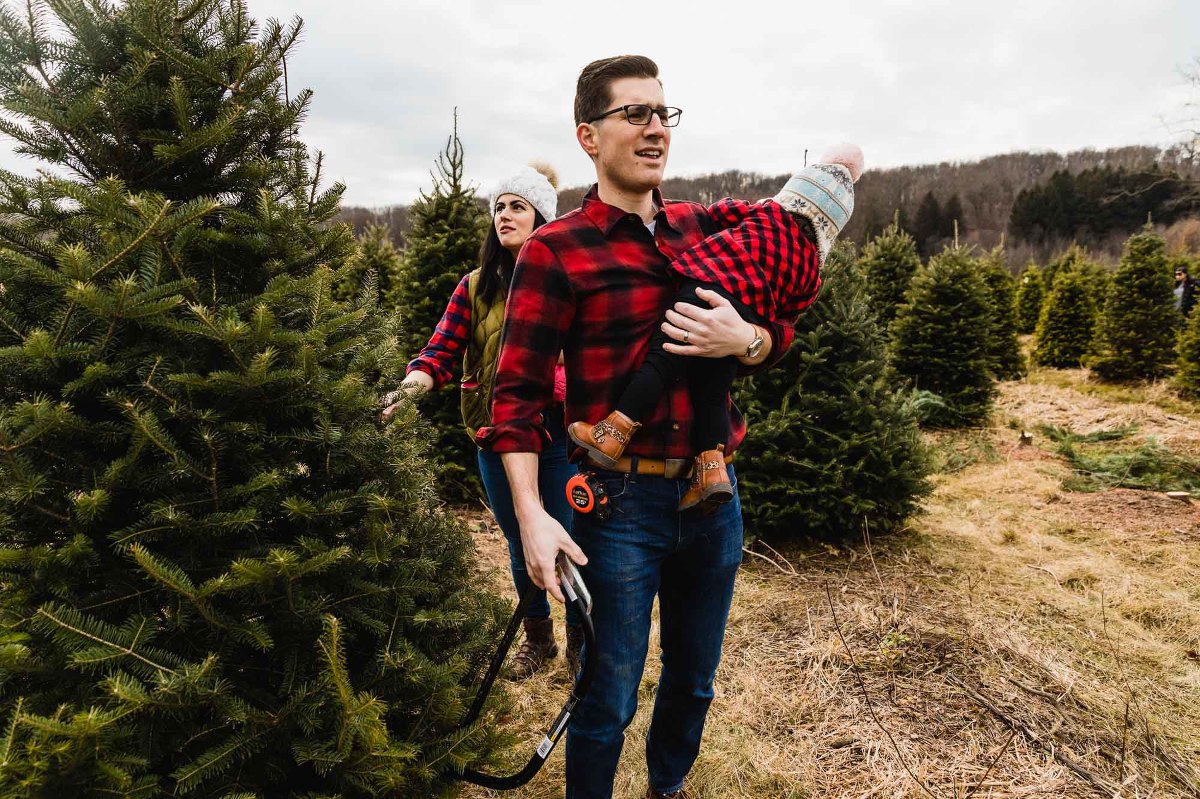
[(553, 473), (689, 561)]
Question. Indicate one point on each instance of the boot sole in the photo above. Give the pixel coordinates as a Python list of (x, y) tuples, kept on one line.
[(596, 455)]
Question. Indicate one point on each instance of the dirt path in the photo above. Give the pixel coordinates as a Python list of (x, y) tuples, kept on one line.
[(1074, 618)]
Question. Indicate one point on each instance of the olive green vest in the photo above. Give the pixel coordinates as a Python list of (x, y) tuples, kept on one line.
[(479, 364)]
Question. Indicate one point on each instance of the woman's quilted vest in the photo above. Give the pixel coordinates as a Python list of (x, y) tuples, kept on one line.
[(479, 364)]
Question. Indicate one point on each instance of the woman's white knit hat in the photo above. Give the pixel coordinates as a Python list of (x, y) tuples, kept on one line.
[(534, 183)]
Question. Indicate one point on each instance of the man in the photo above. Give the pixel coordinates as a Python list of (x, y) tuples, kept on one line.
[(593, 284), (1185, 290)]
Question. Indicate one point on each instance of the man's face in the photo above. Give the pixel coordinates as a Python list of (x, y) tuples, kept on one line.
[(630, 158)]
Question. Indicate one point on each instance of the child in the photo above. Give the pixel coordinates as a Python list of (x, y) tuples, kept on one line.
[(755, 265)]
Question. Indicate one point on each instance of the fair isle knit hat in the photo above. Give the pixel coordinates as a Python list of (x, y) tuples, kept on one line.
[(824, 194), (536, 184)]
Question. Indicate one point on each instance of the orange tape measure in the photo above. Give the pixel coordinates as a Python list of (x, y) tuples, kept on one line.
[(586, 494)]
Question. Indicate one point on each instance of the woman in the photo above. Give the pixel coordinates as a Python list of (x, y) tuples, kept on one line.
[(473, 322)]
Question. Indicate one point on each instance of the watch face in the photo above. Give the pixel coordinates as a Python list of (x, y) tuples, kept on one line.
[(755, 347)]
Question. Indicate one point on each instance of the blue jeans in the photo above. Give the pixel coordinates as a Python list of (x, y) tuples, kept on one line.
[(553, 473), (689, 561)]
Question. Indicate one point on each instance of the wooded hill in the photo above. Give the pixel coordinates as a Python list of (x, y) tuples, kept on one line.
[(986, 191)]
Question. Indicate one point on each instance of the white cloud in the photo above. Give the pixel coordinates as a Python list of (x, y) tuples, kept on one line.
[(760, 82)]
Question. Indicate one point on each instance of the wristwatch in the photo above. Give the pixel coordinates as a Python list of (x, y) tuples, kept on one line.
[(756, 346)]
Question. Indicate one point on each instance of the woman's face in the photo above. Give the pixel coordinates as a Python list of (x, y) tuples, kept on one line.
[(513, 218)]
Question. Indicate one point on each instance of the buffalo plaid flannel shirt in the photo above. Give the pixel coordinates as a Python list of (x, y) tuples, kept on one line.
[(594, 284)]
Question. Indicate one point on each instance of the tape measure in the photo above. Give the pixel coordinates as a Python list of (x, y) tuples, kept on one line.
[(586, 494)]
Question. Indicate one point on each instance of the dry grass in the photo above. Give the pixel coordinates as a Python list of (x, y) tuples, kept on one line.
[(1074, 617)]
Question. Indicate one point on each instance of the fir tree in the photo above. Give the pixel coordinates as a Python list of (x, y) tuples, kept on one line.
[(1004, 352), (1065, 328), (889, 263), (219, 576), (1031, 292), (443, 245), (833, 443), (376, 267), (928, 227), (940, 338), (1187, 372), (1139, 325)]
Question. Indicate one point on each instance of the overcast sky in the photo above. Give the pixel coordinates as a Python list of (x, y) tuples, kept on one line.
[(759, 81)]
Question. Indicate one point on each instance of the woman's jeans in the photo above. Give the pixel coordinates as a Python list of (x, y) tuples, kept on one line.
[(688, 560), (553, 474)]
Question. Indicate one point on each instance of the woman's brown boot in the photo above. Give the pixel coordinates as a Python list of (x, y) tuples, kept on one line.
[(710, 482), (605, 441), (535, 650)]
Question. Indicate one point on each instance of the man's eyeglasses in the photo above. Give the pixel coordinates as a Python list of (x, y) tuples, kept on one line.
[(641, 114)]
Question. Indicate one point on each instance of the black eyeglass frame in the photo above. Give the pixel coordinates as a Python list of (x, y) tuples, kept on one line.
[(662, 112)]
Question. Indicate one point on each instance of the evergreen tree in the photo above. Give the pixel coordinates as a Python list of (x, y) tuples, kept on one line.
[(940, 338), (443, 245), (1004, 352), (952, 219), (1075, 258), (219, 576), (1065, 328), (833, 441), (1187, 372), (888, 263), (928, 226), (376, 266), (1139, 325), (1030, 293)]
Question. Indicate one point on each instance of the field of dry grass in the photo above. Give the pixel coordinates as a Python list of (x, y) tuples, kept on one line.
[(1020, 640)]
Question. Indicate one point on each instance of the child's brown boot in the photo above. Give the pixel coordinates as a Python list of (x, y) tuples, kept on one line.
[(710, 482), (605, 441)]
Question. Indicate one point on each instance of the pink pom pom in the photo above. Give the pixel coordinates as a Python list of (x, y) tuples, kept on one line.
[(848, 155)]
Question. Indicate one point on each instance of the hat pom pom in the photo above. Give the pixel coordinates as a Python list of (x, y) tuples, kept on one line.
[(546, 171), (848, 155)]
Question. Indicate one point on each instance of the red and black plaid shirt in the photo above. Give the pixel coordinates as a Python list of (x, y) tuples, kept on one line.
[(594, 284), (767, 261)]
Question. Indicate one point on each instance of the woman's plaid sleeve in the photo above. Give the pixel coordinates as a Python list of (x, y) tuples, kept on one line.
[(449, 337)]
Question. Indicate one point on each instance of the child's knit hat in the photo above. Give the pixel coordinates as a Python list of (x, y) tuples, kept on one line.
[(824, 193), (535, 183)]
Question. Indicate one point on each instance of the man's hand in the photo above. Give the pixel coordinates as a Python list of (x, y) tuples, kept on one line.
[(708, 332), (542, 538), (416, 384)]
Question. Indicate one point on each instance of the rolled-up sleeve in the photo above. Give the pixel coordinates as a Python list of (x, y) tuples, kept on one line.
[(541, 306)]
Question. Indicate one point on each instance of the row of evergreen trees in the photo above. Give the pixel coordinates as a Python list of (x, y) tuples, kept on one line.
[(1124, 324)]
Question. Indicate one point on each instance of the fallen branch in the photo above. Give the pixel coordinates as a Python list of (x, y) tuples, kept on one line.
[(1087, 776)]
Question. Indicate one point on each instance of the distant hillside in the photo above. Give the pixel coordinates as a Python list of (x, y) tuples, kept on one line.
[(986, 190)]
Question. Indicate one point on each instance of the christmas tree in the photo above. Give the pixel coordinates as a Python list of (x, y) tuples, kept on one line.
[(219, 576), (1187, 372), (1030, 293), (443, 245), (1065, 328), (376, 268), (833, 442), (941, 336), (1004, 352), (889, 262), (1138, 327)]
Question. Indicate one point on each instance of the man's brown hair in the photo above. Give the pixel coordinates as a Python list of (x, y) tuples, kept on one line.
[(593, 91)]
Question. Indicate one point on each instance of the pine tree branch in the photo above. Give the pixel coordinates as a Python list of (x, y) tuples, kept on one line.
[(121, 649)]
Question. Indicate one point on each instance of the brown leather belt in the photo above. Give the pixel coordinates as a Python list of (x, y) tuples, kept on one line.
[(670, 468)]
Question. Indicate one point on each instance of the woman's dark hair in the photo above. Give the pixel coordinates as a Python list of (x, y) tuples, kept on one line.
[(496, 263)]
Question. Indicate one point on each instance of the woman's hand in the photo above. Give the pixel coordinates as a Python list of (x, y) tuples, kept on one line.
[(707, 332), (413, 386)]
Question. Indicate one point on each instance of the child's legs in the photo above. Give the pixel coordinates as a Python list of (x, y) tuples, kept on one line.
[(658, 370)]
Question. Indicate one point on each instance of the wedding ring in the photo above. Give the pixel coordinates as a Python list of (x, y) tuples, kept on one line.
[(686, 333)]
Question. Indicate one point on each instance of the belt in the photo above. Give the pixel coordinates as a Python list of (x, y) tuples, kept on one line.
[(670, 468)]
